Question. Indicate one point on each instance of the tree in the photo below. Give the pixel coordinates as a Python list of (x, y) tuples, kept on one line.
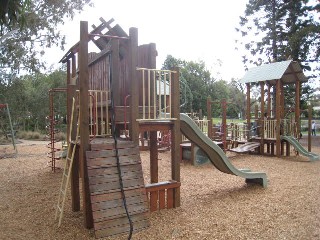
[(12, 13), (197, 85), (28, 98), (281, 29), (27, 31), (195, 82)]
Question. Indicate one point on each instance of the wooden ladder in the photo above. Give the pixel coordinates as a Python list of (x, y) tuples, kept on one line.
[(67, 167)]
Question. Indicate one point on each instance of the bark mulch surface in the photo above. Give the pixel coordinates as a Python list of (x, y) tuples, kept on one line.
[(213, 205)]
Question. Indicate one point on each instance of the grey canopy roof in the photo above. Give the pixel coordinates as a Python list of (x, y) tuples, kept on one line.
[(288, 71)]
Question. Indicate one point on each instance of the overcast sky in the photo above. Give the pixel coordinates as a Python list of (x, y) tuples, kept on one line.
[(189, 30)]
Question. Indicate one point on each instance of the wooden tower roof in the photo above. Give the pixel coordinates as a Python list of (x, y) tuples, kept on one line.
[(288, 71)]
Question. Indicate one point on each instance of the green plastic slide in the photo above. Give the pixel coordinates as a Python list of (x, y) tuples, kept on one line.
[(294, 142), (215, 153)]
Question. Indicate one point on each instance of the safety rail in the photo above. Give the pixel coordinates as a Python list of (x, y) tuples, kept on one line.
[(99, 124), (156, 94), (287, 127), (270, 128), (99, 113), (239, 131), (202, 124)]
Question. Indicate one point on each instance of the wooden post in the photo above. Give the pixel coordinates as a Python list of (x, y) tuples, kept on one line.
[(69, 98), (224, 123), (209, 117), (84, 120), (134, 89), (256, 112), (262, 118), (153, 157), (152, 65), (269, 101), (248, 110), (115, 63), (278, 116), (297, 107), (175, 135), (154, 174), (282, 116), (309, 126), (71, 93)]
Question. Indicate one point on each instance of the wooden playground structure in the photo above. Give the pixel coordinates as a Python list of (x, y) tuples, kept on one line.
[(115, 93), (112, 97), (272, 127)]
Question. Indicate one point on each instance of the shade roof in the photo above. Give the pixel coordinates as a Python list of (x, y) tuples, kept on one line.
[(288, 71)]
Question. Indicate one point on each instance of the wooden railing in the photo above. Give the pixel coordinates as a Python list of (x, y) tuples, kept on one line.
[(239, 132), (156, 94), (287, 127), (202, 124), (99, 125)]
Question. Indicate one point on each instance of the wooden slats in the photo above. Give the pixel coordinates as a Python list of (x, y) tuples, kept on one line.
[(122, 228), (117, 212), (113, 170), (161, 194), (117, 195), (115, 186), (108, 145), (109, 215), (112, 153)]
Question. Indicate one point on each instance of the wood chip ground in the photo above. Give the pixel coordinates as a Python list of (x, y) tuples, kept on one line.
[(213, 205)]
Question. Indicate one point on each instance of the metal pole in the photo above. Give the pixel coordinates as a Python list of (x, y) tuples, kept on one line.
[(11, 127)]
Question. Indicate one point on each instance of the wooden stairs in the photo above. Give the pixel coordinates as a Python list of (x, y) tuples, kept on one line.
[(109, 216)]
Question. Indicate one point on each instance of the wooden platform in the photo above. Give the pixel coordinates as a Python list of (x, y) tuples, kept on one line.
[(109, 214)]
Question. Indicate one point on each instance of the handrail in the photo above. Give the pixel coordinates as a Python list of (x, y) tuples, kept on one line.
[(156, 94)]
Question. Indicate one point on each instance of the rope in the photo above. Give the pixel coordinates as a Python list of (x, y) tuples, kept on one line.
[(113, 125)]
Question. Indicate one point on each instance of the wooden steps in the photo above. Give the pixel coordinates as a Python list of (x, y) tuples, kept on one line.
[(109, 216)]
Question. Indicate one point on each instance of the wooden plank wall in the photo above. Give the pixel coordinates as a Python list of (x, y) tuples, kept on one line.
[(109, 215)]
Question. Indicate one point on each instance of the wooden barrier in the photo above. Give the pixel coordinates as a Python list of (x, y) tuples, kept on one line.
[(161, 194)]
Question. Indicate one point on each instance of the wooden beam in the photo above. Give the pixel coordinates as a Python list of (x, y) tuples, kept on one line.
[(153, 157), (262, 118), (134, 90), (209, 117), (84, 120), (115, 66), (175, 135), (309, 127), (269, 101), (278, 117), (297, 106), (248, 109), (74, 183)]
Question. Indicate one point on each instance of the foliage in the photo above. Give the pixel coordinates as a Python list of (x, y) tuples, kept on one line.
[(12, 13), (281, 29), (28, 99), (24, 39), (197, 85), (278, 30)]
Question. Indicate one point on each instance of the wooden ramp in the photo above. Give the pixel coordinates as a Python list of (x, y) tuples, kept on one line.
[(109, 214)]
